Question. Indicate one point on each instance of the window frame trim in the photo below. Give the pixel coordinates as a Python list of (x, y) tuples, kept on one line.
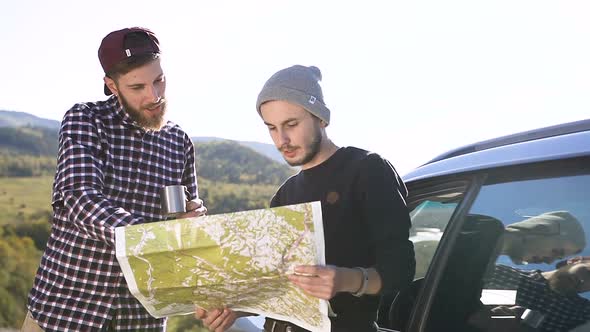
[(420, 313), (418, 318)]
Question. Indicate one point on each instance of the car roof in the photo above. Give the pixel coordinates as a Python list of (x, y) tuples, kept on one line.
[(568, 140)]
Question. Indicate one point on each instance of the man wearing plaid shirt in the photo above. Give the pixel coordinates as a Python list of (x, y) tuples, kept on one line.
[(553, 294), (114, 158)]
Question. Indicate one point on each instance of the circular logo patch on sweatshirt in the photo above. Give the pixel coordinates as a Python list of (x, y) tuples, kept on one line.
[(332, 197)]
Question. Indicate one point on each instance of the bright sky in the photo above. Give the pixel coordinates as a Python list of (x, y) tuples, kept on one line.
[(408, 80)]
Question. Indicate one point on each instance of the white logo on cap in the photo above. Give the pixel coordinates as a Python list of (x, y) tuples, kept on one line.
[(128, 52), (312, 99)]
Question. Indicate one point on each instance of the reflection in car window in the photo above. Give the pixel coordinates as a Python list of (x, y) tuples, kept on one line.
[(431, 205), (429, 220), (540, 267)]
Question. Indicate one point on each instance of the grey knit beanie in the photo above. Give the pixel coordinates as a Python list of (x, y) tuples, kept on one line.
[(298, 85), (559, 224)]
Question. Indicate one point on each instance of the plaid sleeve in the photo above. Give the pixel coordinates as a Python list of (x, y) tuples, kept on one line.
[(79, 179), (503, 277), (189, 175)]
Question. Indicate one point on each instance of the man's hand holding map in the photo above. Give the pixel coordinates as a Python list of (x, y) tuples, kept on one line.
[(240, 260)]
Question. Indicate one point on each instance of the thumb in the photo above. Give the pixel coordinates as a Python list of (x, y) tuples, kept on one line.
[(199, 313)]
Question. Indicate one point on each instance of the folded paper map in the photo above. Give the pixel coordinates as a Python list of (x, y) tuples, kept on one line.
[(240, 260)]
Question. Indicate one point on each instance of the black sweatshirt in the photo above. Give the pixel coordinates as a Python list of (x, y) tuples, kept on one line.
[(366, 224)]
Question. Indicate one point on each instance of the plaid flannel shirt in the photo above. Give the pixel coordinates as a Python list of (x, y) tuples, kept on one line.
[(109, 174), (562, 312)]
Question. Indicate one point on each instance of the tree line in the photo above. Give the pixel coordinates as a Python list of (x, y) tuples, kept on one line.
[(34, 141), (231, 178), (28, 151), (22, 243)]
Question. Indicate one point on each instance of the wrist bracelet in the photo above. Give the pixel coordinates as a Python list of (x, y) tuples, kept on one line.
[(365, 283)]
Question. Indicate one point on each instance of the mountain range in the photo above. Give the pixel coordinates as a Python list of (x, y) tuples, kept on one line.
[(12, 119), (28, 147), (22, 119)]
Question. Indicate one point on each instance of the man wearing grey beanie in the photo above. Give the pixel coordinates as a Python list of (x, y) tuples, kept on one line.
[(366, 221)]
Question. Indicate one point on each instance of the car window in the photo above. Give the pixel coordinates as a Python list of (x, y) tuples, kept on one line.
[(547, 222), (431, 205), (430, 212), (429, 220), (522, 260)]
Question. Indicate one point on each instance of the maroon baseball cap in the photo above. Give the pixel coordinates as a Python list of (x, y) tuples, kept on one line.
[(116, 47)]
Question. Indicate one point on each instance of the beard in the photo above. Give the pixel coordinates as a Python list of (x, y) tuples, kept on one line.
[(146, 122), (311, 149)]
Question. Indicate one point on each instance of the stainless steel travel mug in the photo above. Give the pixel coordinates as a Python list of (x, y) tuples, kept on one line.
[(173, 200)]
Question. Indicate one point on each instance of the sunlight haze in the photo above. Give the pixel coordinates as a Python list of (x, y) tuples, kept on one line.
[(408, 80)]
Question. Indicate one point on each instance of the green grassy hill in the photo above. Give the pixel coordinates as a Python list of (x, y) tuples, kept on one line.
[(25, 199), (11, 119), (265, 149), (25, 213), (231, 162), (34, 141), (232, 177)]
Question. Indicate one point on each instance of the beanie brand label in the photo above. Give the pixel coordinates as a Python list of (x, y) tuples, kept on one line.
[(312, 99)]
